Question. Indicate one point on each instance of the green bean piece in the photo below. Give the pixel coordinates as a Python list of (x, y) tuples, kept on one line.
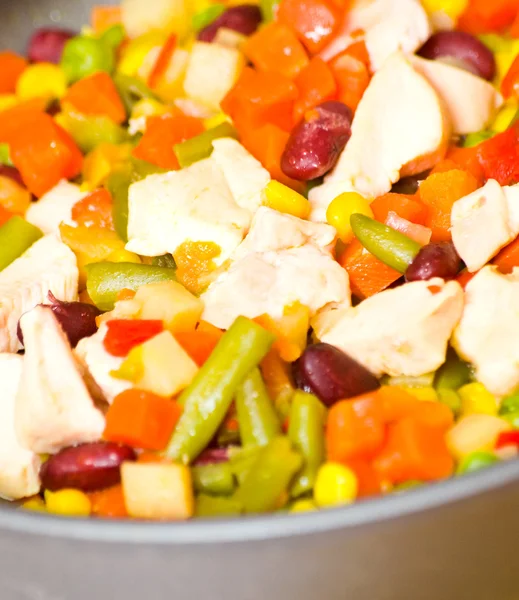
[(475, 462), (509, 405), (259, 423), (451, 399), (202, 19), (166, 260), (131, 91), (393, 248), (269, 477), (114, 36), (216, 506), (201, 146), (5, 155), (83, 56), (214, 479), (16, 236), (453, 373), (474, 139), (106, 279), (118, 184), (306, 432), (269, 9), (208, 398), (241, 461), (89, 132), (512, 418)]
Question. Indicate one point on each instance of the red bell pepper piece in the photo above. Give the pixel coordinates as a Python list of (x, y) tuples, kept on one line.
[(125, 334), (507, 438), (499, 157)]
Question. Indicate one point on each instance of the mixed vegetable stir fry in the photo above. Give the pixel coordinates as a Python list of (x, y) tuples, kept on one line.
[(258, 257)]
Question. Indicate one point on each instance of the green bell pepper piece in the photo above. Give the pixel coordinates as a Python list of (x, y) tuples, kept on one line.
[(83, 56), (202, 19), (132, 90), (512, 418), (208, 398), (241, 460), (16, 236), (259, 423), (5, 155), (391, 247), (118, 184), (269, 477), (106, 279), (453, 373), (474, 139), (451, 399), (89, 132), (509, 405), (306, 432), (214, 479), (214, 506), (201, 146), (269, 9), (114, 36)]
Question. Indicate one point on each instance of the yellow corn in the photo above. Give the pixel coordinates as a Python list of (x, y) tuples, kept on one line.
[(476, 399), (452, 8), (303, 506), (148, 107), (35, 503), (42, 80), (423, 393), (335, 484), (283, 199), (505, 116), (68, 503), (340, 210), (475, 433), (8, 101), (99, 163), (119, 256)]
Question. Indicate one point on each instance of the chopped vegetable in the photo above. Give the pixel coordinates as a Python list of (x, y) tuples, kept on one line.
[(16, 236), (125, 334), (200, 146)]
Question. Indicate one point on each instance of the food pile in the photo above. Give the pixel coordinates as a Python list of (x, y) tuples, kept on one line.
[(258, 257)]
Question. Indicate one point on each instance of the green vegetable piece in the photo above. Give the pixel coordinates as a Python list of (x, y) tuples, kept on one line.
[(114, 36), (16, 236), (208, 398), (241, 460), (453, 373), (509, 405), (391, 247), (227, 436), (212, 506), (269, 9), (512, 418), (306, 432), (407, 486), (214, 479), (83, 56), (473, 139), (475, 462), (201, 146), (269, 477), (141, 169), (259, 423), (89, 132), (166, 260), (118, 184), (451, 399), (5, 155), (205, 17), (106, 279), (131, 90)]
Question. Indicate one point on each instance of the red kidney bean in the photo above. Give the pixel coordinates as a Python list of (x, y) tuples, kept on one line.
[(77, 319), (211, 456), (244, 18), (12, 173), (46, 45), (437, 259), (316, 142), (464, 48), (87, 467), (331, 374)]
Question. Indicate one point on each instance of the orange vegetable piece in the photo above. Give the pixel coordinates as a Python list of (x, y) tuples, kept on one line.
[(162, 133), (277, 377), (369, 481), (162, 62), (13, 118), (313, 21), (126, 294), (276, 49), (404, 205), (94, 210), (316, 84), (510, 83), (514, 29), (439, 192), (467, 159), (104, 17), (508, 257), (141, 419), (199, 344), (13, 197), (414, 450), (499, 156), (464, 277), (11, 67), (109, 503), (368, 275), (195, 262), (5, 215), (482, 16), (355, 428), (125, 334), (96, 95), (352, 77)]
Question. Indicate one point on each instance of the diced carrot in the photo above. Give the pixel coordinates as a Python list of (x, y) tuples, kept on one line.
[(276, 49), (11, 67), (315, 84), (162, 133), (96, 95), (14, 197), (104, 17), (499, 157), (467, 159), (162, 62), (141, 419), (126, 294), (510, 83), (447, 164), (125, 334), (5, 215), (439, 192), (209, 328), (367, 274), (514, 29), (464, 277), (198, 344), (258, 99), (482, 16), (369, 481), (355, 428), (404, 205), (109, 503), (508, 258), (314, 21), (358, 49), (94, 210), (352, 77)]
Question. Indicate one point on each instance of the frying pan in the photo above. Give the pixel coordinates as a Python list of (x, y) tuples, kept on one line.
[(455, 540)]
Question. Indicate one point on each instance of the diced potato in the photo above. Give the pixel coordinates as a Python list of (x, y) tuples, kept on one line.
[(141, 16), (475, 433), (229, 38), (212, 71), (157, 491), (170, 302)]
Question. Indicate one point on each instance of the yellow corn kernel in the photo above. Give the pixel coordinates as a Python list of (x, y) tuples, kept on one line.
[(99, 163), (477, 400), (8, 101), (505, 116), (475, 433), (35, 503), (336, 484), (68, 503), (148, 107), (42, 80), (119, 256), (340, 210), (303, 506), (423, 393), (452, 8), (283, 199), (216, 120)]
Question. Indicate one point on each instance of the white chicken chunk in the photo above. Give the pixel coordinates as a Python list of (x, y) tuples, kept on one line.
[(193, 204), (470, 100), (488, 333), (55, 207), (100, 364), (388, 26), (282, 261), (19, 467), (400, 128), (485, 221), (47, 266), (401, 331), (54, 408)]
